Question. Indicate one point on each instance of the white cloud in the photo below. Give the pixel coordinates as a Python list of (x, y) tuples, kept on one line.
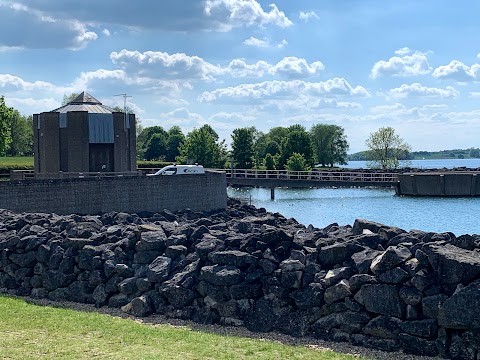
[(106, 32), (418, 90), (264, 43), (252, 41), (32, 106), (12, 83), (407, 63), (457, 71), (161, 65), (285, 89), (306, 16), (474, 95)]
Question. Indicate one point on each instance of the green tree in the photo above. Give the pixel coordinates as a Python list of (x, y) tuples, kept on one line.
[(144, 137), (202, 146), (6, 114), (386, 148), (174, 140), (330, 144), (269, 162), (273, 148), (297, 141), (68, 98), (474, 153), (156, 147), (243, 148), (297, 162), (21, 135)]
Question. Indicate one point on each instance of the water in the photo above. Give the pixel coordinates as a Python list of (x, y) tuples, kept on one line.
[(321, 207), (426, 164)]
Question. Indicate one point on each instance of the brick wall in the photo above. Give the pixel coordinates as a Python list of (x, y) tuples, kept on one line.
[(202, 192)]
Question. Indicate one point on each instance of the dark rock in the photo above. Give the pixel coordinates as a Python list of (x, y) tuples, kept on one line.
[(294, 324), (357, 281), (392, 257), (369, 240), (145, 257), (418, 346), (410, 296), (291, 265), (383, 327), (245, 291), (394, 276), (208, 244), (232, 257), (128, 286), (382, 299), (431, 305), (291, 279), (54, 279), (461, 310), (159, 269), (337, 253), (261, 317), (139, 306), (337, 292), (174, 251), (118, 300), (152, 241), (363, 260), (206, 316), (24, 260), (420, 328), (179, 297), (267, 266), (100, 296), (452, 264), (359, 225), (308, 297), (222, 275), (143, 284), (335, 275), (423, 280)]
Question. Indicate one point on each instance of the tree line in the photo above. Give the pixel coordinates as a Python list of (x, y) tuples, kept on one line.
[(16, 132)]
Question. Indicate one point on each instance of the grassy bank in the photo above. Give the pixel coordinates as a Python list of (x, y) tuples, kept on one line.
[(37, 332)]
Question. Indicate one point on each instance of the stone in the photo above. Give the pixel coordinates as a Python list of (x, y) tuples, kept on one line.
[(207, 245), (128, 286), (383, 327), (451, 264), (363, 259), (261, 317), (337, 292), (100, 296), (223, 275), (145, 257), (232, 257), (335, 275), (337, 253), (159, 269), (394, 276), (461, 310), (357, 281), (410, 296), (178, 296), (24, 260), (174, 251), (420, 328), (392, 257), (382, 299), (139, 306), (118, 300), (308, 297), (291, 279), (418, 346), (431, 305), (294, 324), (245, 291), (291, 265)]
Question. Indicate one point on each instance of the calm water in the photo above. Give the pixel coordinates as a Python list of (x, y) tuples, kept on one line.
[(426, 164), (321, 207)]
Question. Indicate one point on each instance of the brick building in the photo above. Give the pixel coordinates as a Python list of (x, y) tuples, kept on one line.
[(84, 136)]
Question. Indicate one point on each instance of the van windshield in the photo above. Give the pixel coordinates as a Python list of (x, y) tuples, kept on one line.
[(169, 171)]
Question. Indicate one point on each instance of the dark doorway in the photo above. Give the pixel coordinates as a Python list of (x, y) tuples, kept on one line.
[(101, 158)]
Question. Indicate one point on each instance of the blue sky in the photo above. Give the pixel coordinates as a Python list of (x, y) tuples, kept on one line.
[(412, 65)]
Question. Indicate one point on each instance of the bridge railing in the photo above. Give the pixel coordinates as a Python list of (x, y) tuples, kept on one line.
[(333, 176)]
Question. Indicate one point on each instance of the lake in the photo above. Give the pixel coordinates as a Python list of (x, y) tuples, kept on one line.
[(426, 164), (323, 206)]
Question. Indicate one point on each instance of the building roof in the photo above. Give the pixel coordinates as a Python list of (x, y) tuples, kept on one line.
[(85, 102)]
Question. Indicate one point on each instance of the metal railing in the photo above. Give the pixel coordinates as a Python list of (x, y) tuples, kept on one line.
[(30, 175)]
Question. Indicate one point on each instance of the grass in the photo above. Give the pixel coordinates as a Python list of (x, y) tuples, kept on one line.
[(37, 332)]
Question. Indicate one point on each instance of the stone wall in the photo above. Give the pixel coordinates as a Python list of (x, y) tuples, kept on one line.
[(439, 184), (128, 194), (370, 284)]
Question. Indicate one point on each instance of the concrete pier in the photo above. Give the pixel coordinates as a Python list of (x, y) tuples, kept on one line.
[(439, 184)]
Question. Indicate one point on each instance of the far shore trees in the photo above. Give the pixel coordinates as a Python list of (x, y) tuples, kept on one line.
[(386, 148), (330, 144)]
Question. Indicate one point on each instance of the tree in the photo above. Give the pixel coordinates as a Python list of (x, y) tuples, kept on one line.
[(297, 141), (269, 162), (144, 137), (202, 146), (174, 140), (330, 144), (68, 98), (156, 147), (474, 153), (297, 162), (21, 135), (6, 114), (386, 148), (242, 145)]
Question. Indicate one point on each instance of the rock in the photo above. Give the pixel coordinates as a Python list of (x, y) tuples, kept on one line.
[(363, 260), (359, 225), (291, 265), (294, 324), (418, 346), (261, 317), (410, 296), (394, 276), (451, 264), (179, 297), (145, 257), (232, 257), (159, 269), (223, 275), (245, 291), (461, 310), (392, 257), (337, 253), (128, 286), (118, 300), (208, 244), (382, 299), (291, 279), (335, 275), (308, 297), (383, 327), (420, 328), (337, 292), (431, 305), (139, 306), (100, 296), (357, 281), (24, 260), (328, 322)]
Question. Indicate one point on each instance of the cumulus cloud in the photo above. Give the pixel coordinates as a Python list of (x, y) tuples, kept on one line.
[(32, 106), (12, 83), (169, 15), (285, 89), (264, 43), (39, 30), (457, 71), (406, 63), (306, 16), (106, 32), (418, 90), (162, 65)]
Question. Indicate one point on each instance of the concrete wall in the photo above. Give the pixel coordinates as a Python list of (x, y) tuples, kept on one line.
[(439, 184), (202, 192)]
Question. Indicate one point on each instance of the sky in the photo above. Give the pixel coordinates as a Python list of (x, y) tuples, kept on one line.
[(360, 64)]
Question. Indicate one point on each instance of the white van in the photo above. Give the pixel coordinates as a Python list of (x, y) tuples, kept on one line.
[(180, 170)]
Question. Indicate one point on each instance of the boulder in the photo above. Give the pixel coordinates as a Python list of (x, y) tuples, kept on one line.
[(383, 327), (222, 275), (382, 299), (232, 257), (337, 253), (461, 310), (159, 269), (392, 257), (337, 292), (420, 328), (418, 346), (139, 306), (261, 317)]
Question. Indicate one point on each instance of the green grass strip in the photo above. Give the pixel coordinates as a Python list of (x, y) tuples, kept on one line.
[(40, 332)]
